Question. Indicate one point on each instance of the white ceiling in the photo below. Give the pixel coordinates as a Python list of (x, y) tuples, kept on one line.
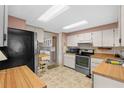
[(94, 14)]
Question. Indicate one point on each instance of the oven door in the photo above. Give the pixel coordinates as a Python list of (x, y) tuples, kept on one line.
[(83, 61)]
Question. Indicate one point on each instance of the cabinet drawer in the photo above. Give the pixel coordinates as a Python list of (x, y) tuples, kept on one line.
[(69, 61)]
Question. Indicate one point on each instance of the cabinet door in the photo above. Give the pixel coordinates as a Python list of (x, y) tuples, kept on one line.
[(5, 25), (122, 25), (100, 81), (116, 37), (85, 37), (69, 61), (108, 38), (1, 24), (69, 41), (97, 38), (40, 35), (72, 40), (88, 36)]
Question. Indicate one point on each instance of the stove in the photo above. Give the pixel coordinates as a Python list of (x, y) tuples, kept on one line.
[(83, 61)]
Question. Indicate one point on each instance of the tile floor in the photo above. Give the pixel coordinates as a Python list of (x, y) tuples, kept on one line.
[(64, 77)]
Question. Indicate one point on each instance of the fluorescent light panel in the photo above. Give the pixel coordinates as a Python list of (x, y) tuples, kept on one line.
[(76, 24), (53, 12)]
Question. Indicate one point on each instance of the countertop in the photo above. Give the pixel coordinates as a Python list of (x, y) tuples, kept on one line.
[(104, 56), (20, 77), (115, 72), (42, 55), (70, 54)]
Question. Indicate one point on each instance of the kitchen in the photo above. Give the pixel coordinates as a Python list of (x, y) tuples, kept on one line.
[(90, 51)]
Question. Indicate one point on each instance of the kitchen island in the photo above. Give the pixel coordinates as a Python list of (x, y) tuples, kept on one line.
[(108, 75), (20, 77)]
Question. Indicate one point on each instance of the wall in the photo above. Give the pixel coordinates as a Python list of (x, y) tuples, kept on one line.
[(48, 34), (38, 30), (14, 22), (60, 49)]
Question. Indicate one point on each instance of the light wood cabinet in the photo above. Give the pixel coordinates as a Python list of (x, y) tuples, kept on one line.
[(103, 38), (3, 25), (69, 60), (122, 25), (72, 40), (104, 82), (116, 38), (85, 38), (40, 35), (97, 39), (108, 38)]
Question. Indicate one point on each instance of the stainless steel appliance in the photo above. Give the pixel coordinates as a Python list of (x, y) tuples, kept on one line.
[(21, 49), (73, 50), (83, 61)]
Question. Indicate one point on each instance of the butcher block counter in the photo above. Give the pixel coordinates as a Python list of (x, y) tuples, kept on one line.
[(103, 56), (20, 77), (112, 71), (108, 75)]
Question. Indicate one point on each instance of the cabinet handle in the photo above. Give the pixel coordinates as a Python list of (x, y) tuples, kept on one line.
[(4, 37), (120, 40)]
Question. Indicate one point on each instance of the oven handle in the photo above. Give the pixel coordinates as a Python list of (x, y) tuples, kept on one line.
[(82, 67)]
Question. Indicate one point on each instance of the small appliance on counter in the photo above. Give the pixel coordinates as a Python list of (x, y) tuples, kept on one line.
[(83, 61), (73, 50), (115, 61)]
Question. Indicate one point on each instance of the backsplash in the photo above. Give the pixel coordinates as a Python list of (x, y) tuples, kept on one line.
[(106, 51), (85, 46)]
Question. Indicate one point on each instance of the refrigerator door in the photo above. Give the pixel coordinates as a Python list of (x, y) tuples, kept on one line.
[(20, 49)]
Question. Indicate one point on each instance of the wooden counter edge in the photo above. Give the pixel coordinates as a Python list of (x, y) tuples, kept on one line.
[(94, 72)]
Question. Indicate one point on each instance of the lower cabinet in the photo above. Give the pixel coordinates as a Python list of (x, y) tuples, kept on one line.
[(69, 60), (95, 62), (104, 82)]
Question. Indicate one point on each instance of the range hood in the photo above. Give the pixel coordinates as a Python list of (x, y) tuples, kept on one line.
[(85, 41)]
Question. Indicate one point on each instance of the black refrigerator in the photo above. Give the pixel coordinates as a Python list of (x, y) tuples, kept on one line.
[(20, 50)]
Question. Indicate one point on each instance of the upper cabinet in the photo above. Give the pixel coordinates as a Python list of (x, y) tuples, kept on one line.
[(108, 38), (116, 37), (40, 35), (122, 25), (103, 38), (3, 25), (85, 38), (97, 38), (72, 40)]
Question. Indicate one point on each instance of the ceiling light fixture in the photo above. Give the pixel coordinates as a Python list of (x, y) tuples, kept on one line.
[(76, 24), (53, 12)]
